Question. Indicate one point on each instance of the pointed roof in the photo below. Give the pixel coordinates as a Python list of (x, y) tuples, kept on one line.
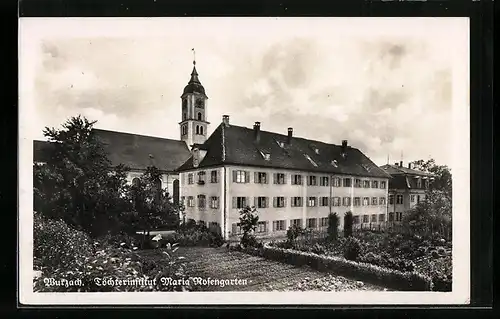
[(236, 145), (194, 84)]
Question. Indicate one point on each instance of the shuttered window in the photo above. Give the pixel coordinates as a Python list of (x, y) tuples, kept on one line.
[(279, 178), (240, 202), (241, 177)]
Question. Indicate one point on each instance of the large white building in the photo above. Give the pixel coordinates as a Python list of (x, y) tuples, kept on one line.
[(290, 180)]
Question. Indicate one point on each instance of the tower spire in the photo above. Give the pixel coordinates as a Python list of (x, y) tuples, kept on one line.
[(194, 56), (194, 74)]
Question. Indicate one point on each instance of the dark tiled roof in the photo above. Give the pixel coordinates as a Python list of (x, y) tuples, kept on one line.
[(236, 145), (396, 170), (134, 151)]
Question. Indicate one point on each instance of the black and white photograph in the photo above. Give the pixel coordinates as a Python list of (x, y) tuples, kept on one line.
[(244, 161)]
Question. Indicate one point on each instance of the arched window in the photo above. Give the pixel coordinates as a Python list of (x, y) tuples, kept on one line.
[(201, 130), (199, 116), (197, 129), (157, 186), (136, 182)]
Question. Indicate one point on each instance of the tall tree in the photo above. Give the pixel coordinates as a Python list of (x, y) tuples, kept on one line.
[(442, 175), (152, 203), (78, 183)]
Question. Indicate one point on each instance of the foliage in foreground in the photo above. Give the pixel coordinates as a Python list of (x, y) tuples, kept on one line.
[(65, 254), (248, 223)]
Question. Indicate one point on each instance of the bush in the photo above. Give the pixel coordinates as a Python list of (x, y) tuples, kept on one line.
[(318, 249), (67, 255), (293, 232), (56, 245), (196, 236), (348, 220), (121, 239), (352, 248), (333, 226), (248, 240)]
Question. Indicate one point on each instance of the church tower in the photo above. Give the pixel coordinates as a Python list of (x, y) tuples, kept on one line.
[(194, 107)]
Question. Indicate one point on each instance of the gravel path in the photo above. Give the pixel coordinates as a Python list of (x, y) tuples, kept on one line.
[(261, 274)]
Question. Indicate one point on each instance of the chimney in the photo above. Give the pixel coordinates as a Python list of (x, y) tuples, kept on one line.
[(256, 131), (400, 163), (409, 165), (396, 164), (290, 134), (225, 120), (344, 147)]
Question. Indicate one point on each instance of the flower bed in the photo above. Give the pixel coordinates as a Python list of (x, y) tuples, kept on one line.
[(395, 279)]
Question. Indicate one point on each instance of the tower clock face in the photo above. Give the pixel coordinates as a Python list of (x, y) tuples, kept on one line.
[(199, 103)]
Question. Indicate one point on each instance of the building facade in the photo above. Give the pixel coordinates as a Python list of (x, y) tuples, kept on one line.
[(407, 188), (289, 180)]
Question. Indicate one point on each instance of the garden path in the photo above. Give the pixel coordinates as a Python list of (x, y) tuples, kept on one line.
[(261, 274)]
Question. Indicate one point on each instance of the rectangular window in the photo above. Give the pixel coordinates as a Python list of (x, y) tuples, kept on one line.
[(357, 201), (201, 201), (412, 198), (426, 184), (278, 225), (374, 184), (355, 219), (399, 216), (261, 202), (201, 177), (374, 218), (324, 222), (391, 199), (374, 200), (391, 217), (296, 201), (214, 177), (190, 179), (381, 217), (366, 184), (236, 229), (357, 182), (418, 198), (296, 179), (347, 182), (419, 182), (381, 200), (296, 222), (240, 202), (323, 181), (182, 201), (366, 218), (323, 201), (279, 178), (260, 178), (311, 223), (336, 201), (190, 201), (261, 227), (382, 185), (366, 201), (214, 202), (241, 177), (311, 181), (311, 202), (399, 199), (337, 182), (346, 201), (279, 202)]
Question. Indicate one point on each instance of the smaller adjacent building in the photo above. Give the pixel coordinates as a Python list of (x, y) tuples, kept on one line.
[(407, 187)]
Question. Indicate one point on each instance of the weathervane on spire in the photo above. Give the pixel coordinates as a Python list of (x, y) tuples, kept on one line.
[(194, 56)]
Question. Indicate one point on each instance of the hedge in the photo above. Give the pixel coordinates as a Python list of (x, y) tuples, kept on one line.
[(406, 281)]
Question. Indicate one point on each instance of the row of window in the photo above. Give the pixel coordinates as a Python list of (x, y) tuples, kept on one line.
[(296, 179), (281, 201), (312, 223), (198, 129)]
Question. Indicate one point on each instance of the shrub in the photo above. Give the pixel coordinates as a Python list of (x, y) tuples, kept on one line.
[(352, 248), (318, 249), (333, 226), (121, 239), (434, 253), (348, 220), (441, 251), (248, 222), (293, 232), (56, 245)]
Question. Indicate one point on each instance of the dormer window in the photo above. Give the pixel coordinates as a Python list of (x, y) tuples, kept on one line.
[(334, 163), (266, 156), (316, 151), (314, 148), (366, 167), (310, 160)]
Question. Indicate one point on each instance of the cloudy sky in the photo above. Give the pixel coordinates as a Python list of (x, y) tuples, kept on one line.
[(384, 85)]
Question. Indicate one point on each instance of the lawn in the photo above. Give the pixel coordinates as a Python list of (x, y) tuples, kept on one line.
[(260, 274)]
